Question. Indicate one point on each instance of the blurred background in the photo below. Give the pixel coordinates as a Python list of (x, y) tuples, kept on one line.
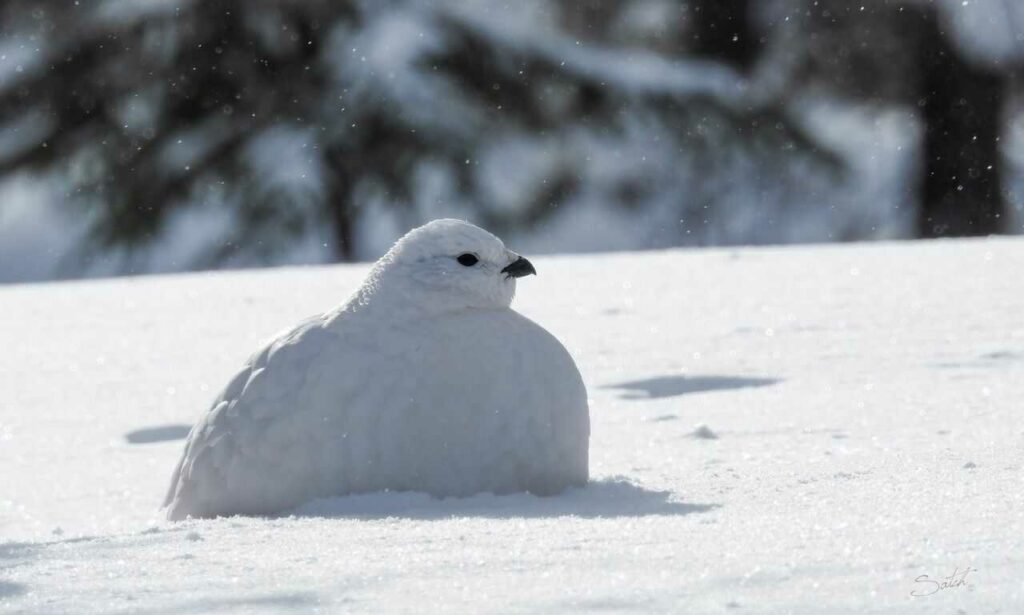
[(143, 136)]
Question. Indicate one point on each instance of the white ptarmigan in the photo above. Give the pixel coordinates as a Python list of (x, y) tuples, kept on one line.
[(424, 380)]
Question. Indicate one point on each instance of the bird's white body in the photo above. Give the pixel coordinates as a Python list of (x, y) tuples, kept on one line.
[(422, 383)]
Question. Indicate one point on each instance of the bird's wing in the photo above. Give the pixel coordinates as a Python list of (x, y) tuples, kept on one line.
[(255, 450)]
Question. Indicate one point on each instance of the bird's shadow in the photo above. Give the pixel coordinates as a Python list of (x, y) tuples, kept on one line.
[(162, 433), (605, 498), (989, 360), (672, 386), (9, 589)]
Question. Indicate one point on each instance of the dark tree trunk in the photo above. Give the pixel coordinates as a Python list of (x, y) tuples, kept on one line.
[(723, 30), (961, 105), (339, 208), (343, 236)]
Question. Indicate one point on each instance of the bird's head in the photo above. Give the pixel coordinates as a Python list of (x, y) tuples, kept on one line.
[(449, 265)]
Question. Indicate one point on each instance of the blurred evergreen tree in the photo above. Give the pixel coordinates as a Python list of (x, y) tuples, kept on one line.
[(919, 53), (725, 29), (290, 116)]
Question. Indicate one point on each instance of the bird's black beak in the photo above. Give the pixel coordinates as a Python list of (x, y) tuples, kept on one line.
[(519, 268)]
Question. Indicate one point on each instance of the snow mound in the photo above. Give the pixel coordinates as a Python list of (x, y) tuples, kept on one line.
[(703, 432)]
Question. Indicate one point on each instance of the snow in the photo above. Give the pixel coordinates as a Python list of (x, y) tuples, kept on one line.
[(988, 31), (383, 63), (635, 72), (281, 156), (30, 247), (19, 56), (866, 400)]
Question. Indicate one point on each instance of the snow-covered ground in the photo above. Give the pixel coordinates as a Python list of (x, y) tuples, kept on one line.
[(777, 430)]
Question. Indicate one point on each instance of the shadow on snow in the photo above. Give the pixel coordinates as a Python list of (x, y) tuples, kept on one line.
[(671, 386), (163, 433), (8, 589), (613, 497)]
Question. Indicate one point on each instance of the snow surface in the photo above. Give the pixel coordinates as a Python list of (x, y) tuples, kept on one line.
[(866, 400)]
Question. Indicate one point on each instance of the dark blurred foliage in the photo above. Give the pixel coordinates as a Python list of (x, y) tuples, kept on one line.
[(904, 51), (216, 73), (724, 29), (145, 108)]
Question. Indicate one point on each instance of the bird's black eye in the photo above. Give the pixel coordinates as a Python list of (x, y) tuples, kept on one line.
[(467, 259)]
